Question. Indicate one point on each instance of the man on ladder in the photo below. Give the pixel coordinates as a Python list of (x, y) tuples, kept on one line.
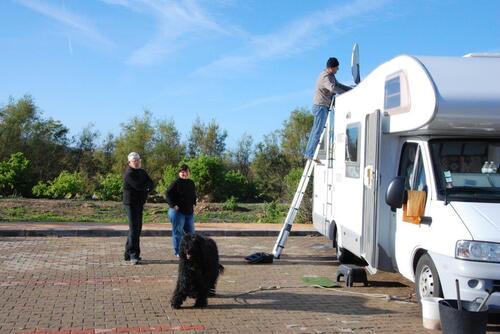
[(326, 87), (323, 101)]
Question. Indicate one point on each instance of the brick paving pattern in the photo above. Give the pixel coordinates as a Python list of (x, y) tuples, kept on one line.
[(82, 285)]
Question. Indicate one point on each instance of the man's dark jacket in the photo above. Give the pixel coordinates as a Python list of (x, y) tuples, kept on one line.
[(136, 185)]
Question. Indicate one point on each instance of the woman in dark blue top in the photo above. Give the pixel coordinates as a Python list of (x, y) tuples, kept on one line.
[(181, 198)]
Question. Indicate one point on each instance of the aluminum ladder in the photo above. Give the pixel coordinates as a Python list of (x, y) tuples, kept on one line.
[(299, 193)]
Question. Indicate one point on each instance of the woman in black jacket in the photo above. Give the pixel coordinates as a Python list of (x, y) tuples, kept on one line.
[(181, 197), (136, 185)]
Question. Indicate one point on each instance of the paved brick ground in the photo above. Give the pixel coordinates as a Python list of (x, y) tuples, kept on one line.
[(81, 285)]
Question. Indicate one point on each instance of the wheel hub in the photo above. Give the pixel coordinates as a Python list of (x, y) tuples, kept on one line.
[(426, 282)]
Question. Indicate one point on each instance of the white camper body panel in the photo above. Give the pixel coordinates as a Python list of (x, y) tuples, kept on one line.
[(419, 99)]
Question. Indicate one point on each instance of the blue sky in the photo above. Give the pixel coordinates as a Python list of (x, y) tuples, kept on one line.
[(245, 63)]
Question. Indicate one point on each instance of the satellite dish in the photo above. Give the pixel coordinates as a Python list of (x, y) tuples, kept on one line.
[(355, 64)]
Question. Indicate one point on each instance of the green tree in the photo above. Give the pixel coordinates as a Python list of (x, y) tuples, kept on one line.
[(17, 119), (243, 154), (158, 144), (103, 155), (269, 167), (13, 173), (295, 134), (166, 148), (43, 142), (136, 135), (208, 140), (86, 145)]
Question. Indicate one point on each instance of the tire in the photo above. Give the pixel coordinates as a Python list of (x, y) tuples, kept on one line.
[(338, 250), (427, 283)]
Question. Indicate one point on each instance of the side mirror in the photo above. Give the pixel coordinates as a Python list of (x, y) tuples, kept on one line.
[(395, 195)]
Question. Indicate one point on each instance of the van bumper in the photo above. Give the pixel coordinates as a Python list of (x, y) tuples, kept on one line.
[(474, 279)]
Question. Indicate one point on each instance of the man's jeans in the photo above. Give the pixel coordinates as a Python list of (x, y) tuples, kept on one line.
[(320, 113), (181, 224), (132, 246)]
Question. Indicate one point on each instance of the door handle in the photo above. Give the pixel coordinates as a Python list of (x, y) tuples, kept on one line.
[(369, 175)]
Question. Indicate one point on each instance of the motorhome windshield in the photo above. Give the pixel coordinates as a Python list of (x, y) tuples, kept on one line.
[(467, 170)]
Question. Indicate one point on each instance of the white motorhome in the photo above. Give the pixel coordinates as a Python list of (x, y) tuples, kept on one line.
[(418, 133)]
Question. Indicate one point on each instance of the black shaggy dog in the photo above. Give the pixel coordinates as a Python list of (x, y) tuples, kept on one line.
[(199, 269)]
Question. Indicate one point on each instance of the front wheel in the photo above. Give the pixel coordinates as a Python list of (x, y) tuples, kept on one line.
[(427, 282)]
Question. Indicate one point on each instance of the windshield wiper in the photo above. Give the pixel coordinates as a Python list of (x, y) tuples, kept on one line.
[(455, 190), (474, 192)]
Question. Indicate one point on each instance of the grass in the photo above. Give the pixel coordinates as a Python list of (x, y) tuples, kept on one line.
[(45, 210)]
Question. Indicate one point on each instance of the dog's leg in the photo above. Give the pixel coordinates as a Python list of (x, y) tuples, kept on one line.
[(177, 299), (201, 300), (180, 292)]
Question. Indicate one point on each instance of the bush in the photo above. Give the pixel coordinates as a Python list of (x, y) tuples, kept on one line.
[(230, 204), (235, 185), (304, 215), (274, 212), (41, 189), (208, 175), (110, 187), (66, 185), (169, 175), (13, 174)]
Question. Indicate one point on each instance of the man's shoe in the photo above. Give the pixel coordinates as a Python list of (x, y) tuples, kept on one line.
[(134, 261)]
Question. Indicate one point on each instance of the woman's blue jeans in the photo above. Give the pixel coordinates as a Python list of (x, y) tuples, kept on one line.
[(320, 113), (181, 224)]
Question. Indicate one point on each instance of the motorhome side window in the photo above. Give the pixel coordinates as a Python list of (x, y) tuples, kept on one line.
[(392, 93), (396, 94), (352, 150)]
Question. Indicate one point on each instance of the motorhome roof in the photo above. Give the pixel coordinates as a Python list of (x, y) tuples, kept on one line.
[(432, 95), (467, 93)]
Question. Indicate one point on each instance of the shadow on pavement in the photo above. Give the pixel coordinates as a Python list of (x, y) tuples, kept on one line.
[(386, 284), (336, 304), (284, 261)]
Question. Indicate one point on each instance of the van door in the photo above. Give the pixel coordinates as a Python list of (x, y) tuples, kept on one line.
[(370, 190), (409, 233)]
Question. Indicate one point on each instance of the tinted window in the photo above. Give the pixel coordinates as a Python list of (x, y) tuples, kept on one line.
[(352, 150)]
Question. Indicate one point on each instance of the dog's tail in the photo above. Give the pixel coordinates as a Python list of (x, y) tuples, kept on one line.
[(221, 269)]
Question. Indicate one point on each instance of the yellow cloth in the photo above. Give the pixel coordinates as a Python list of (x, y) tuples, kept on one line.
[(414, 208)]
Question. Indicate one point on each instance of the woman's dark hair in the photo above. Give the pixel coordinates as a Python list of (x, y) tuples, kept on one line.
[(184, 168)]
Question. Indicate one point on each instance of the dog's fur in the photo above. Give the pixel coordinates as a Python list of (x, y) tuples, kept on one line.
[(199, 269)]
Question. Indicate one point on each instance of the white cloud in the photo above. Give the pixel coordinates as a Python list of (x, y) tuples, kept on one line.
[(69, 19), (295, 38), (177, 22)]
